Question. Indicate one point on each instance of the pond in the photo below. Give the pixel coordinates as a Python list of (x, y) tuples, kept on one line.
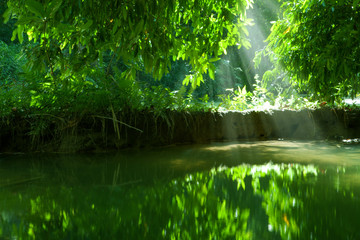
[(246, 190)]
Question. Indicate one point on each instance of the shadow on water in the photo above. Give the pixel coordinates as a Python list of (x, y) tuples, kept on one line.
[(253, 190)]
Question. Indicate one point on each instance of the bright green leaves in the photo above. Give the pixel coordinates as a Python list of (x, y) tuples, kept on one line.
[(143, 34), (211, 71), (206, 35), (316, 42), (222, 211), (195, 80), (18, 32), (180, 203), (205, 205)]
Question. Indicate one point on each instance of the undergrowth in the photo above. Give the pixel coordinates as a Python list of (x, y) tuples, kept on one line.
[(25, 99), (51, 106), (104, 89)]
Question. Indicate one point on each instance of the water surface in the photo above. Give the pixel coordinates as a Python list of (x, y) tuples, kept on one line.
[(252, 190)]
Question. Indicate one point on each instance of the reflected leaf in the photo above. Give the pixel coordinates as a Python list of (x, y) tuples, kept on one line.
[(291, 198)]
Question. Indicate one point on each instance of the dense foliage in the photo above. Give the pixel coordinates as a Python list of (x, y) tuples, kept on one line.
[(71, 36), (317, 44), (137, 54)]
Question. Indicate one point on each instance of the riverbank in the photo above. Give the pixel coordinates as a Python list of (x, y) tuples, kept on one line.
[(88, 132)]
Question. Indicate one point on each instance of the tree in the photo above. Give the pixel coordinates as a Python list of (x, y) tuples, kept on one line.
[(5, 29), (317, 43), (71, 36)]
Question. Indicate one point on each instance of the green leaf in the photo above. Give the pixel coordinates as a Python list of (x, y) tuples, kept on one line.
[(35, 7), (27, 20), (214, 59), (87, 25), (356, 3), (7, 14), (20, 33), (187, 80), (14, 34), (222, 210), (53, 7), (197, 80), (257, 59), (245, 43), (212, 71), (179, 202), (148, 62), (139, 27)]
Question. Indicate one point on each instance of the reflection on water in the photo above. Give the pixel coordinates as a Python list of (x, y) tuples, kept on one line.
[(255, 190)]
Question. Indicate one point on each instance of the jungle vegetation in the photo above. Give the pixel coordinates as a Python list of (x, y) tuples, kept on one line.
[(65, 56)]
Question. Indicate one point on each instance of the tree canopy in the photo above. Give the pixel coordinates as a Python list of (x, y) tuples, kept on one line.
[(314, 43), (317, 43), (72, 35)]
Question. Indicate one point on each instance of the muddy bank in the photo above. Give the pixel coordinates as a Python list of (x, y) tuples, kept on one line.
[(99, 132)]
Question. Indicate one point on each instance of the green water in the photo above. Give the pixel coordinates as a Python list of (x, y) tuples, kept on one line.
[(254, 190)]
